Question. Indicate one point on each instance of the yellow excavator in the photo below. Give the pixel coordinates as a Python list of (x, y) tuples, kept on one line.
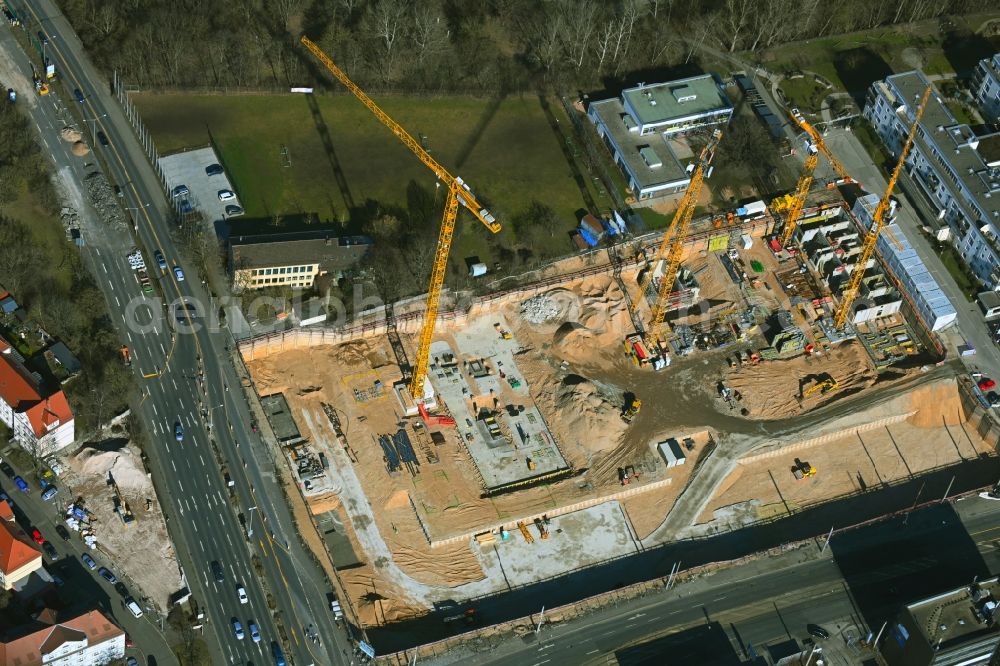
[(632, 407)]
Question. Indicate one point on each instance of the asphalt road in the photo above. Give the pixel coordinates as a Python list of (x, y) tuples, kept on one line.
[(768, 601), (185, 377)]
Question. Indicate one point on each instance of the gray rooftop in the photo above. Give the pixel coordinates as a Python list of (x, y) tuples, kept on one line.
[(631, 144), (953, 617), (967, 155), (279, 416), (673, 100), (332, 253)]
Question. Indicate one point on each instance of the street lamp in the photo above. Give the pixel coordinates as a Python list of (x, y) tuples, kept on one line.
[(94, 120), (135, 221), (250, 522)]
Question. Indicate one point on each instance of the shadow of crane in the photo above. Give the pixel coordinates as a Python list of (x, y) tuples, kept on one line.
[(331, 153), (477, 132)]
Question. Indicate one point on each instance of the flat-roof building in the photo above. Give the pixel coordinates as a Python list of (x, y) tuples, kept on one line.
[(955, 628), (637, 127), (956, 170), (292, 259)]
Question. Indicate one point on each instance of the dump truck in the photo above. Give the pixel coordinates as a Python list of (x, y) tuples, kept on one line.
[(803, 470), (504, 333)]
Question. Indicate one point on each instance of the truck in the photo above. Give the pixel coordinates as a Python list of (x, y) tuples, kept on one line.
[(147, 284)]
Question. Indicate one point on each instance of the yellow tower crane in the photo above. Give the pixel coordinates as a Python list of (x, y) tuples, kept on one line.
[(799, 198), (817, 141), (458, 192), (878, 221), (672, 245)]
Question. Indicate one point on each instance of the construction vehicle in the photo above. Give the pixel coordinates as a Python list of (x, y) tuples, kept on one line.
[(525, 533), (636, 349), (672, 247), (542, 530), (819, 144), (468, 616), (122, 508), (632, 407), (824, 387), (457, 192), (442, 420), (878, 221), (504, 333), (126, 355), (803, 470)]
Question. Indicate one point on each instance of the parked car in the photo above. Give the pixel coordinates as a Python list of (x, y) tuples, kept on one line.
[(234, 211), (160, 261), (227, 195), (214, 170), (89, 561), (131, 662), (106, 574), (817, 631), (62, 532), (37, 536), (179, 432), (121, 589), (50, 550), (238, 629), (993, 398), (6, 469), (180, 191), (179, 273), (242, 594), (49, 493), (78, 94), (254, 631), (21, 484), (4, 497)]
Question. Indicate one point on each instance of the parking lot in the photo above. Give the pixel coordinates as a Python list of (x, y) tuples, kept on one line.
[(188, 169)]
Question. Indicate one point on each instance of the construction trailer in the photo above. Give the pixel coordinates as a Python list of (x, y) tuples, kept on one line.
[(672, 453)]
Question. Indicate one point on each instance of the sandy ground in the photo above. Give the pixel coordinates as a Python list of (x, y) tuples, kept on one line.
[(936, 435), (142, 550), (774, 389)]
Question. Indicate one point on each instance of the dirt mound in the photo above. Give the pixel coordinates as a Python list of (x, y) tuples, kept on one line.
[(937, 404), (80, 149), (123, 464), (590, 413), (70, 135)]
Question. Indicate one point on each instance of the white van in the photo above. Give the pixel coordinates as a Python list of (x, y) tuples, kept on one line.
[(133, 607)]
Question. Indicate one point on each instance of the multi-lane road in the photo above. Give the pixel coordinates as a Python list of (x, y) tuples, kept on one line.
[(187, 377)]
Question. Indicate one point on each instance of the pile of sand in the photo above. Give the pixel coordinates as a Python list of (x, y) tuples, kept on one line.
[(774, 389), (70, 135), (80, 149), (589, 414), (122, 463)]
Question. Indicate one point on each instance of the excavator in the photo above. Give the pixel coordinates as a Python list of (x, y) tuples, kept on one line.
[(632, 407)]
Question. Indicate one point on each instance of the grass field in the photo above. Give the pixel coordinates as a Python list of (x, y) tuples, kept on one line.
[(955, 266), (46, 232), (507, 151)]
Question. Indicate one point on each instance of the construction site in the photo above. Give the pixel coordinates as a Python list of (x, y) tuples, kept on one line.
[(730, 369)]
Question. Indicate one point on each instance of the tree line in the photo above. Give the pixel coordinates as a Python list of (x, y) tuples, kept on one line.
[(484, 47), (73, 310)]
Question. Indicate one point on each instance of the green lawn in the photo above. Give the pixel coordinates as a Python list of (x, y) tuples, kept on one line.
[(804, 93), (957, 110), (509, 154), (953, 263), (46, 231)]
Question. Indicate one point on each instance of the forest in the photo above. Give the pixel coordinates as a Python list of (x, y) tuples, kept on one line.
[(484, 47)]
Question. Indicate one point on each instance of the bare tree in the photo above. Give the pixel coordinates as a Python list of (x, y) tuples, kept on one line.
[(388, 25), (735, 17), (580, 18), (430, 30)]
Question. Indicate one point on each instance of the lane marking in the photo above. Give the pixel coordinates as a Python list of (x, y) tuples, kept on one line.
[(173, 464)]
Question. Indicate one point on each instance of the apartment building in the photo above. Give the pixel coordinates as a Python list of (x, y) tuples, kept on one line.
[(292, 259), (19, 556), (957, 627), (955, 170), (90, 639), (42, 424), (639, 126), (986, 87)]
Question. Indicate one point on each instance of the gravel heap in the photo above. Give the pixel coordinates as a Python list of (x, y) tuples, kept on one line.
[(104, 201), (540, 309)]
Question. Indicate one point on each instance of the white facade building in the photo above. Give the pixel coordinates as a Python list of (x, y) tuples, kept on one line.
[(90, 639), (41, 425), (986, 87), (956, 170)]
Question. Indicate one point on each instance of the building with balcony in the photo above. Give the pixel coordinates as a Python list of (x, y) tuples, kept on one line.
[(41, 424), (639, 126), (986, 87), (19, 556), (956, 171), (90, 639)]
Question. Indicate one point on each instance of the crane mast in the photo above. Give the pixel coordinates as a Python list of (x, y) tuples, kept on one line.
[(799, 199), (672, 245), (458, 193), (878, 221), (817, 141)]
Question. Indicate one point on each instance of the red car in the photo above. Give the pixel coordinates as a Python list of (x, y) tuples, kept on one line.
[(986, 384), (37, 536), (129, 643)]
